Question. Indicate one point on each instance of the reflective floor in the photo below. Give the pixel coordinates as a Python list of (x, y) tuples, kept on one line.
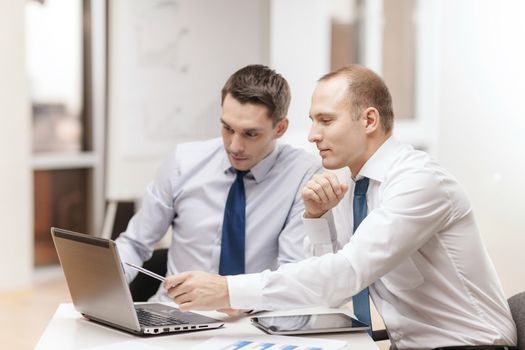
[(24, 313)]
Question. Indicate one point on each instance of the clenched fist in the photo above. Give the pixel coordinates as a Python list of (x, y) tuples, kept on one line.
[(321, 194)]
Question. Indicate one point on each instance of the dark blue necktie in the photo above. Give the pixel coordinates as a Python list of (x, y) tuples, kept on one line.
[(233, 229), (361, 301)]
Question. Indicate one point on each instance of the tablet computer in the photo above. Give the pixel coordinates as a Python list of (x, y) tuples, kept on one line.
[(308, 324)]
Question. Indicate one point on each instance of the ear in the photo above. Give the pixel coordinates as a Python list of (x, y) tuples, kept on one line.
[(281, 127), (373, 120)]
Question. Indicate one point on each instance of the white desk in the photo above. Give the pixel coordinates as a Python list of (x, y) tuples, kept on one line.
[(69, 330)]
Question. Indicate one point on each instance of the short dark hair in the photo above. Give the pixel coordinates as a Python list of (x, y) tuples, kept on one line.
[(261, 85), (366, 89)]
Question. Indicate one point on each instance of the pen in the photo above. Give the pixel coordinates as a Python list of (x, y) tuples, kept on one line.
[(146, 272)]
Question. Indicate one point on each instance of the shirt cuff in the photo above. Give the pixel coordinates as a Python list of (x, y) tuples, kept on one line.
[(318, 230), (245, 291)]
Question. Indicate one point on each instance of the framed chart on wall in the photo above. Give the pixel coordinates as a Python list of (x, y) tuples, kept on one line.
[(167, 62)]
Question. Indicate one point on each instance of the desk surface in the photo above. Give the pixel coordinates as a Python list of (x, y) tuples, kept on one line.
[(69, 330)]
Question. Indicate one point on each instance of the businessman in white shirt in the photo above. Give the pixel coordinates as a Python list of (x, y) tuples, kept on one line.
[(234, 204), (402, 230)]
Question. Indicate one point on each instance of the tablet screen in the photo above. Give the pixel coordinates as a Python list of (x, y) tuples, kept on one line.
[(311, 323)]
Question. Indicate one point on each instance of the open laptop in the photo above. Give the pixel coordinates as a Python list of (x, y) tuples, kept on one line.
[(99, 291)]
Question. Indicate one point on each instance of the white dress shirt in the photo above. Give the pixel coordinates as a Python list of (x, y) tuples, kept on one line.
[(418, 249), (189, 193)]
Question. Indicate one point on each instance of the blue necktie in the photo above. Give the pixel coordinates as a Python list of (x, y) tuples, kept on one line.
[(360, 300), (233, 229)]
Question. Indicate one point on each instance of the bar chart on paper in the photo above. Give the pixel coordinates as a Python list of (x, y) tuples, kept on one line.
[(269, 343)]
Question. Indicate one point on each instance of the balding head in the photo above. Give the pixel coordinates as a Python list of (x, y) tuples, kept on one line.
[(366, 89)]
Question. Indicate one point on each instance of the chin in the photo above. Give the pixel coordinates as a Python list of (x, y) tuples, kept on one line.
[(332, 164), (241, 166)]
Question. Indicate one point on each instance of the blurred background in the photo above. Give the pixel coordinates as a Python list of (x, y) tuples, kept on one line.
[(95, 93)]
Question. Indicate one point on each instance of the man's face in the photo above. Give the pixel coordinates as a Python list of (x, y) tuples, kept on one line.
[(248, 133), (341, 140)]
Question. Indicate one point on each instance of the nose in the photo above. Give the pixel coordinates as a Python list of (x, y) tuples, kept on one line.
[(314, 135), (236, 144)]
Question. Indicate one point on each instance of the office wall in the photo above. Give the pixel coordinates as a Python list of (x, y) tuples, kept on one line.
[(482, 121), (306, 24), (16, 253), (166, 66)]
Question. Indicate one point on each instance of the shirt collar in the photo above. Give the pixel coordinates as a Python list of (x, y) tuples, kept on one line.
[(260, 169), (377, 166)]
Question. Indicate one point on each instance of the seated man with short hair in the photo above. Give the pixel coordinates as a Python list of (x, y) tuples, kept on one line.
[(234, 204)]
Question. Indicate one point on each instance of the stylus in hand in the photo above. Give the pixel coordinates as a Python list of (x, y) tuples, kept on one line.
[(146, 272)]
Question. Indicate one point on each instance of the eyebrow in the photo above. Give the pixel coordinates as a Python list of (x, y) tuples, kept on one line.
[(322, 115)]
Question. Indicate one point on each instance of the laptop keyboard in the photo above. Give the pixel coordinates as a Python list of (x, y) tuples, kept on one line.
[(148, 319)]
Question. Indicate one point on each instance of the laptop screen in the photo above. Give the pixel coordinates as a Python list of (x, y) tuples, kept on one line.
[(95, 278)]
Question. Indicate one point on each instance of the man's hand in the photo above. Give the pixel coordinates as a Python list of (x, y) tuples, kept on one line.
[(321, 194), (234, 312), (198, 291)]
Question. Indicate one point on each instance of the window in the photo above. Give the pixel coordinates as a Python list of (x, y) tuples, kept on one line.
[(67, 161), (380, 35)]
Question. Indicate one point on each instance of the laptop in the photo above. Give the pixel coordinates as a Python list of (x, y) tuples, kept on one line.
[(98, 288)]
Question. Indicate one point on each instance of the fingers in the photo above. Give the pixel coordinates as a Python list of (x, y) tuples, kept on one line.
[(329, 184), (179, 291), (336, 188), (172, 281), (188, 306), (183, 298), (185, 306), (310, 194), (322, 193), (316, 185), (197, 290), (232, 312), (324, 188), (175, 286)]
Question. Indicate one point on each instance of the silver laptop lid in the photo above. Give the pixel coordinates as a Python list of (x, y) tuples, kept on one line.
[(95, 278)]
